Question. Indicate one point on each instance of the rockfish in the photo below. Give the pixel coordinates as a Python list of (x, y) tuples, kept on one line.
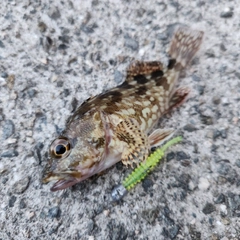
[(117, 125)]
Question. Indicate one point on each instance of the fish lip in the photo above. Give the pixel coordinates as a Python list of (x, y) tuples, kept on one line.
[(46, 179), (63, 180), (63, 183)]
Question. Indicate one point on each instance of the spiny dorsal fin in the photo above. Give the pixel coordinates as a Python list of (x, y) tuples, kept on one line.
[(140, 70)]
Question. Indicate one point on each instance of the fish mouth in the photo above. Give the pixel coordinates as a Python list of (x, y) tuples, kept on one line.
[(63, 180), (62, 184)]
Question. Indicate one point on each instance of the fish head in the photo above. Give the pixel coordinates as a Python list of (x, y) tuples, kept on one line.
[(78, 153)]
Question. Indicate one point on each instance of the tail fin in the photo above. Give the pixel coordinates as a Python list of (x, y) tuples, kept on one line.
[(184, 45)]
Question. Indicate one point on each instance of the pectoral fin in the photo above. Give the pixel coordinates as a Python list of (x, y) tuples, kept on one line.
[(157, 137), (137, 144)]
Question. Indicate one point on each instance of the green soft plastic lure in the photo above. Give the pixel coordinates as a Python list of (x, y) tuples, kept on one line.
[(139, 173)]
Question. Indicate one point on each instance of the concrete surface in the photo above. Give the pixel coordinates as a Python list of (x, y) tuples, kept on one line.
[(56, 54)]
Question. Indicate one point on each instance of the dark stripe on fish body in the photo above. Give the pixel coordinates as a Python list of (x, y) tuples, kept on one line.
[(171, 63), (126, 85), (142, 90), (162, 82), (141, 79), (157, 74), (114, 94)]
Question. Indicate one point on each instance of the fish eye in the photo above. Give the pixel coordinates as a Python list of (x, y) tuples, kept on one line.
[(60, 147)]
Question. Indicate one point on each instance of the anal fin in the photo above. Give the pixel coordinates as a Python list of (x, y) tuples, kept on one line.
[(157, 137), (137, 149)]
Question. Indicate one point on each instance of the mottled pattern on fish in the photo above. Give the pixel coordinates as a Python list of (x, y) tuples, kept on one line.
[(143, 96), (114, 126)]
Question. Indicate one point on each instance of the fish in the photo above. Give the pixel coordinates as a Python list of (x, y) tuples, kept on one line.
[(118, 124)]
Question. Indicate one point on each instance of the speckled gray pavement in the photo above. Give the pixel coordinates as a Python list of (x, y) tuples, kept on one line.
[(56, 54)]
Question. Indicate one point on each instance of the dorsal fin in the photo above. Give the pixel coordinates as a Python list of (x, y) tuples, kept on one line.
[(144, 69)]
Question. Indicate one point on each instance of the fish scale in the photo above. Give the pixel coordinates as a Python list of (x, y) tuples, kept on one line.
[(114, 126)]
